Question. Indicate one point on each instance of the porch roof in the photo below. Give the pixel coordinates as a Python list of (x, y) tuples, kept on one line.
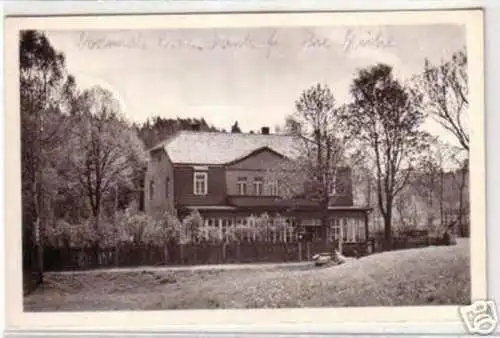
[(210, 207), (242, 208)]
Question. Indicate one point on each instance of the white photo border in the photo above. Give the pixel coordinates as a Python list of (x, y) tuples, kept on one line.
[(291, 320)]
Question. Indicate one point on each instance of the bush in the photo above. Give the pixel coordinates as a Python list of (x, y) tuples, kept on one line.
[(171, 230), (192, 224), (208, 234), (61, 234)]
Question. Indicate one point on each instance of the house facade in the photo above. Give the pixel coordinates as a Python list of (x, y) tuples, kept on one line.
[(226, 177)]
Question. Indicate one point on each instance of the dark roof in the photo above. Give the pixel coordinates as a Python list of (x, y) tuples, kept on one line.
[(194, 147)]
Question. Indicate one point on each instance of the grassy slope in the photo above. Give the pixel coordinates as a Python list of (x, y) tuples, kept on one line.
[(434, 275)]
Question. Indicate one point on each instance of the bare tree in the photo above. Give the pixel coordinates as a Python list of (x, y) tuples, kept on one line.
[(318, 172), (386, 117), (445, 89)]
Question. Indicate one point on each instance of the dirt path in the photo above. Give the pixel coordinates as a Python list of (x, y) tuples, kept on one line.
[(257, 266)]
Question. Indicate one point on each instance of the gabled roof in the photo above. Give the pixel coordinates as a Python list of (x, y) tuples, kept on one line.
[(195, 147), (255, 152)]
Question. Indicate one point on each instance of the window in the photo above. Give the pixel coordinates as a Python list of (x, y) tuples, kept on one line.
[(351, 230), (332, 189), (200, 183), (210, 222), (242, 185), (345, 231), (361, 230), (273, 188), (151, 189), (167, 182), (336, 228), (257, 185)]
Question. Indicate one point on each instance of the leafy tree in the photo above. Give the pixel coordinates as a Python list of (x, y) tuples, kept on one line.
[(386, 117), (292, 126), (44, 88), (440, 185), (158, 129), (105, 151), (445, 89), (235, 128)]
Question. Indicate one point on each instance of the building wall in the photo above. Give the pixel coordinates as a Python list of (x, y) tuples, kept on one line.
[(222, 181), (184, 186), (260, 161), (159, 184), (258, 165), (232, 181)]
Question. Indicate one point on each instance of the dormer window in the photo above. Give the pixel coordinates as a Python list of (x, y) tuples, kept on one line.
[(242, 186), (200, 183)]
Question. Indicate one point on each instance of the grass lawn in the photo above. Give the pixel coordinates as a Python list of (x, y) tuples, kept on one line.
[(433, 275)]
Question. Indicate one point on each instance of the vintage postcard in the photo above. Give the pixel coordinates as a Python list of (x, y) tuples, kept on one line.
[(274, 170)]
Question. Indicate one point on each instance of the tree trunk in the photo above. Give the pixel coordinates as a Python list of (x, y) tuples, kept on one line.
[(461, 205), (325, 233), (96, 245), (441, 197), (387, 227)]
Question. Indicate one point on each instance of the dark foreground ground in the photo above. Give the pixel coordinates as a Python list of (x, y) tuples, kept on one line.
[(428, 276)]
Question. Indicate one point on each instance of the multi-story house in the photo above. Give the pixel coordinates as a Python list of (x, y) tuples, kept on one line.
[(225, 176)]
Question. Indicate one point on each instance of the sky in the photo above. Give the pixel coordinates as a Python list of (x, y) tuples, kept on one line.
[(252, 76)]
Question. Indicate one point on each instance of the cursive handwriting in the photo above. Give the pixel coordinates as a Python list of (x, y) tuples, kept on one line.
[(352, 40), (87, 41), (370, 39), (315, 41), (223, 43), (216, 42)]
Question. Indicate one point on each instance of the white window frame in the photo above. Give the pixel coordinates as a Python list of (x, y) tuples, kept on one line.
[(242, 182), (204, 180), (332, 189), (151, 190), (258, 184), (273, 188), (336, 228)]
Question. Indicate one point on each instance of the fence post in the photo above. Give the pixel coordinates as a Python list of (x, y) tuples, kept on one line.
[(300, 251), (223, 252), (181, 253), (117, 254), (308, 252), (165, 254)]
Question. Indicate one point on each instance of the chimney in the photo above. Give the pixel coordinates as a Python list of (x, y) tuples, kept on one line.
[(195, 127), (265, 130)]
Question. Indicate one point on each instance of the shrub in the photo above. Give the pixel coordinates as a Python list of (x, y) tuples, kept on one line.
[(56, 234), (208, 234), (243, 233), (170, 229), (192, 223), (63, 234)]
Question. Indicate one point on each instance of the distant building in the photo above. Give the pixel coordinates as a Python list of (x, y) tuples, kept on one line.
[(225, 177)]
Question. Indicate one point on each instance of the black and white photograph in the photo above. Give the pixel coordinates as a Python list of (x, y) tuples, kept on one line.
[(265, 166)]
